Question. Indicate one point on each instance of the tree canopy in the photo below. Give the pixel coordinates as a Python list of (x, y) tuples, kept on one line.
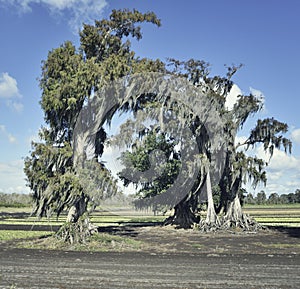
[(70, 76), (180, 139)]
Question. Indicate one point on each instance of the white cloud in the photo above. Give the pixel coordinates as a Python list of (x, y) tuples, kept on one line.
[(110, 157), (12, 177), (274, 176), (10, 92), (282, 173), (80, 10), (2, 128), (280, 161), (8, 86), (296, 136), (11, 138), (257, 93), (235, 91), (232, 97)]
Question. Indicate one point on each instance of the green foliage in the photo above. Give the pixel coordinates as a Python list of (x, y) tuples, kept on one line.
[(69, 78), (156, 150), (270, 132), (238, 168), (97, 181)]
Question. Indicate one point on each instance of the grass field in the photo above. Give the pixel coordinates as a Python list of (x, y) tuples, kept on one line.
[(22, 226), (275, 215)]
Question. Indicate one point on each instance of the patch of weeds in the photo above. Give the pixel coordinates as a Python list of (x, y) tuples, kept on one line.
[(197, 246), (100, 242), (108, 242)]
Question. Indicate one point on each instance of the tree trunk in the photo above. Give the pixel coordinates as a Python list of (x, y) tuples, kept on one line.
[(77, 210), (211, 222), (236, 218), (183, 216), (78, 227)]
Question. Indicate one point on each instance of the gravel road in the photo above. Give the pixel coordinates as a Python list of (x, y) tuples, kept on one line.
[(25, 268)]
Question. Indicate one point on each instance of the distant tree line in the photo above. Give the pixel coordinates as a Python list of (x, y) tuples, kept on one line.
[(273, 199), (15, 200)]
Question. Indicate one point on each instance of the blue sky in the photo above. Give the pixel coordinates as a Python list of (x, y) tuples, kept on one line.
[(262, 35)]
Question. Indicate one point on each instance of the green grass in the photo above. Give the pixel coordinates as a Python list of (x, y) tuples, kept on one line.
[(10, 235), (268, 215), (278, 219), (278, 206), (27, 210), (275, 215)]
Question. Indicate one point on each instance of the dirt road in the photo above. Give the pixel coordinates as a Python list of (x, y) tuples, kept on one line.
[(24, 268), (167, 258)]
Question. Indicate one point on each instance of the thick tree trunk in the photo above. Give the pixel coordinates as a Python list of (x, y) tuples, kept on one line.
[(78, 227), (236, 218), (183, 216), (211, 222), (77, 210)]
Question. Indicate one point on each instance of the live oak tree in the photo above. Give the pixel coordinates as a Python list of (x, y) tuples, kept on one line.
[(223, 164), (179, 121), (70, 77)]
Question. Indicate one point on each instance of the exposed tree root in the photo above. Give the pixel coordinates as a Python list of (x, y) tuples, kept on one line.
[(225, 223), (77, 232), (234, 218)]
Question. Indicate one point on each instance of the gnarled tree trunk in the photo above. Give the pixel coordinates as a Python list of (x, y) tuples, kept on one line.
[(78, 226), (236, 218), (183, 216)]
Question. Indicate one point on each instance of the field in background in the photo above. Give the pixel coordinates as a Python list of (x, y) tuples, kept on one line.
[(16, 223), (275, 215)]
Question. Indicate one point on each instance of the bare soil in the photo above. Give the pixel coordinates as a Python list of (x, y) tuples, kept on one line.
[(167, 258)]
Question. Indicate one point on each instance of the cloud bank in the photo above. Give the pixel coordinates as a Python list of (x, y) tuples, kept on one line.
[(8, 87), (283, 171), (79, 10), (296, 136), (12, 177), (10, 92)]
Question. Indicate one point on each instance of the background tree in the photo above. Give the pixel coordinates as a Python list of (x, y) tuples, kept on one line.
[(261, 198), (274, 199), (297, 195), (249, 199)]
